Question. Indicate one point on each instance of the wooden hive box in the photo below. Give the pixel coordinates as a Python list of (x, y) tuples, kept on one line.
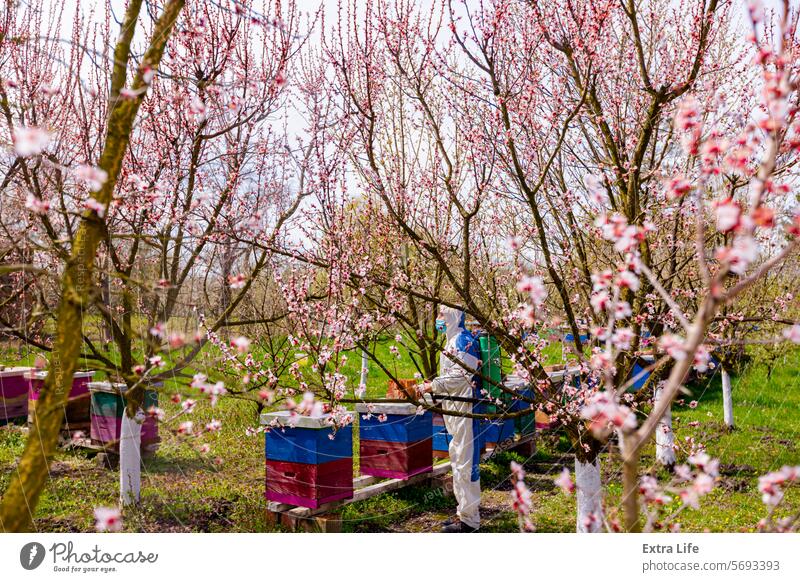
[(307, 464), (14, 395), (400, 446), (404, 389), (107, 408), (77, 412)]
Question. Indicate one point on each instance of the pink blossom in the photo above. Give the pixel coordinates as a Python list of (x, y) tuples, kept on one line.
[(739, 256), (792, 333), (605, 413), (97, 207), (728, 213), (564, 482), (241, 343), (702, 358), (622, 338), (687, 116), (36, 205), (703, 484), (705, 463), (107, 519), (30, 141), (147, 74), (622, 310), (673, 345), (690, 497), (648, 487), (602, 280), (214, 425), (534, 287), (514, 243), (176, 340), (186, 427), (594, 185), (601, 360), (683, 472), (627, 279), (677, 187), (628, 239), (159, 329), (197, 107), (599, 301), (236, 281), (94, 177), (155, 412)]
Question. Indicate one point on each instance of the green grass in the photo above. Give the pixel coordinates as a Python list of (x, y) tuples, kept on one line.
[(184, 490)]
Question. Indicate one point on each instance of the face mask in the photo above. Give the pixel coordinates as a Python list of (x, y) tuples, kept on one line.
[(441, 326)]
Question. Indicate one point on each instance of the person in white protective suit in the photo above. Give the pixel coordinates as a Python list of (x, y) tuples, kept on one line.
[(459, 381)]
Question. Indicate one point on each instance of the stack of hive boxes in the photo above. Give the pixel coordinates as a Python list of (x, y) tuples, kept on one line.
[(107, 408), (307, 463), (395, 440)]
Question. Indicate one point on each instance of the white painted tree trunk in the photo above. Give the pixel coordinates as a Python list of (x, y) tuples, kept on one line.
[(589, 496), (665, 438), (130, 458), (727, 399), (364, 368)]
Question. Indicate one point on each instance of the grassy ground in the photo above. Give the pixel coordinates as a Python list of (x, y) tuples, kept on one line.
[(184, 490)]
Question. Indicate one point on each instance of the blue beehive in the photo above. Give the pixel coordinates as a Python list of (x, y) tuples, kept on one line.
[(497, 431), (441, 439), (399, 428), (303, 443)]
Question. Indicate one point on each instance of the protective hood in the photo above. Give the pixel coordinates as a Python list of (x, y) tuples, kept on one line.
[(453, 320)]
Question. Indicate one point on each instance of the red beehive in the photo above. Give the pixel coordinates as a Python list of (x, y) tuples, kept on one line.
[(77, 409), (395, 460), (309, 485), (13, 395)]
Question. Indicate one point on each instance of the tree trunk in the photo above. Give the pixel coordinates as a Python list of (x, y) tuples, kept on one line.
[(589, 496), (665, 437), (364, 368), (130, 458), (727, 398), (22, 495)]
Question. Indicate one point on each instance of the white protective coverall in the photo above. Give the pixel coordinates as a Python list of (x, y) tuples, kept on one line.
[(455, 380)]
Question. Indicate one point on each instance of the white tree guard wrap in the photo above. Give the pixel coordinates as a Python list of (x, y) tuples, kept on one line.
[(727, 398), (665, 437), (130, 458), (589, 496), (364, 368)]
